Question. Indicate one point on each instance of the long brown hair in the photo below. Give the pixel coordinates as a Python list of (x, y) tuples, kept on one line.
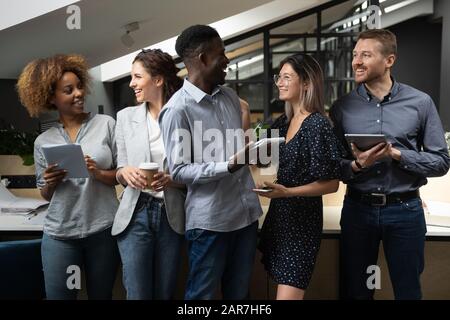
[(308, 70), (159, 63)]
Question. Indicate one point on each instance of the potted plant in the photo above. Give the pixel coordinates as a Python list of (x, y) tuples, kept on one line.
[(14, 142), (262, 130)]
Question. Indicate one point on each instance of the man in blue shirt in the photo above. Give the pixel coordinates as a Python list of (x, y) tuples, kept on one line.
[(382, 200), (221, 210)]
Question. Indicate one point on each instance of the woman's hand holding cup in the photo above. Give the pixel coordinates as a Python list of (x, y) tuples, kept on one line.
[(149, 171), (133, 177)]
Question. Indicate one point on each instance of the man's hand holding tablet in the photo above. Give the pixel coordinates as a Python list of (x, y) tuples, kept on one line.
[(365, 141), (369, 148), (249, 153)]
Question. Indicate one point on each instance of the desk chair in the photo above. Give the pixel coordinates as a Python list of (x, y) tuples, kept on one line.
[(21, 275)]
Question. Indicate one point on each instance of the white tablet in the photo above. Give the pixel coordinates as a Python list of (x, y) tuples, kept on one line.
[(267, 141), (69, 157), (256, 145), (365, 141)]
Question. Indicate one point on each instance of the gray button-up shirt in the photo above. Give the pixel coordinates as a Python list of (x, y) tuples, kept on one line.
[(409, 119), (216, 200), (84, 206)]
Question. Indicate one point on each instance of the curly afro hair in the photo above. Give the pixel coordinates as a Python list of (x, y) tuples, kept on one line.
[(192, 38), (37, 82)]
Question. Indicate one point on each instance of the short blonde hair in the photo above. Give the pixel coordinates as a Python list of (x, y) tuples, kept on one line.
[(37, 82)]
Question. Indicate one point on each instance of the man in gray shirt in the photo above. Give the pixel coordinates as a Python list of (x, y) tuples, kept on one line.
[(382, 200), (221, 210)]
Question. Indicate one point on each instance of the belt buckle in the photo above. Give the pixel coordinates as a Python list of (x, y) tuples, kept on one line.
[(381, 199)]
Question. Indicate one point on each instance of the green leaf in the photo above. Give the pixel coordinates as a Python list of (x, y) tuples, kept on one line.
[(14, 142), (28, 159)]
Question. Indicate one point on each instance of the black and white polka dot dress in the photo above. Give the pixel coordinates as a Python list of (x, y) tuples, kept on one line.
[(291, 233)]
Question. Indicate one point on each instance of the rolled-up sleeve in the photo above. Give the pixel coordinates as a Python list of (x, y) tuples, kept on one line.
[(40, 165), (433, 160), (112, 142), (121, 152), (178, 145)]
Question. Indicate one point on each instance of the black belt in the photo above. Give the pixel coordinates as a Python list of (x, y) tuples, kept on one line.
[(381, 199)]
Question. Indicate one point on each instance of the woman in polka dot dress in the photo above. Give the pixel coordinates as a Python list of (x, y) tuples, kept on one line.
[(308, 168)]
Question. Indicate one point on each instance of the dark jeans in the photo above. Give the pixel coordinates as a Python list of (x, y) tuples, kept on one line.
[(96, 255), (150, 252), (402, 229), (220, 258)]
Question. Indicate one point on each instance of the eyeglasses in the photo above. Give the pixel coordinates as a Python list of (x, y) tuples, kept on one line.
[(284, 79)]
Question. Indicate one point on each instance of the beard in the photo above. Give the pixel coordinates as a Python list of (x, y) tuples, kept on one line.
[(371, 76)]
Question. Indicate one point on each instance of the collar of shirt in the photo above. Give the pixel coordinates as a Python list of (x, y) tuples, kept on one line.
[(363, 92), (197, 93), (89, 117)]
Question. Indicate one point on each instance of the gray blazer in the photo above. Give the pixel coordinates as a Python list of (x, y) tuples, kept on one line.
[(132, 149)]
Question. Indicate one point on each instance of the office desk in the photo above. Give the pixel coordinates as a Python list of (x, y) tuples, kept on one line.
[(22, 225), (325, 281), (332, 216)]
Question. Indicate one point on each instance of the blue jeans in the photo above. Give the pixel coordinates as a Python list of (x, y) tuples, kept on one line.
[(97, 255), (402, 229), (225, 258), (150, 252)]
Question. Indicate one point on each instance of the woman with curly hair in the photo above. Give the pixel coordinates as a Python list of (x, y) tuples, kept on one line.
[(150, 220), (77, 227)]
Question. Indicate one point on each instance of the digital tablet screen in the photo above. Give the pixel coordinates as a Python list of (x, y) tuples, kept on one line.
[(365, 141)]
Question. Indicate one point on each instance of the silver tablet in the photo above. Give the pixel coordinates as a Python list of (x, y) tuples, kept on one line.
[(365, 141)]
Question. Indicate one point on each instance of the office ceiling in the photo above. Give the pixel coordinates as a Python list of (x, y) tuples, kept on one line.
[(102, 26)]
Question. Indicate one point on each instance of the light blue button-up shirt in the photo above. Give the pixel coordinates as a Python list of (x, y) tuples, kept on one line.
[(216, 200), (84, 206)]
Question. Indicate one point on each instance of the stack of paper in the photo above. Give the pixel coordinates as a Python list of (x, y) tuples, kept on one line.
[(9, 203)]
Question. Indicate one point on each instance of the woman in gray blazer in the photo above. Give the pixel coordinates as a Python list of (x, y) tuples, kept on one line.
[(149, 223)]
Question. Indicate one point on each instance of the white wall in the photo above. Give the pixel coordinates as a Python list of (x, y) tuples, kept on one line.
[(101, 94)]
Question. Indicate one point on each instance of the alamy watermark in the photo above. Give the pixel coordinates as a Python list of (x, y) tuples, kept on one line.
[(214, 145), (74, 279), (373, 17), (374, 280), (73, 22)]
